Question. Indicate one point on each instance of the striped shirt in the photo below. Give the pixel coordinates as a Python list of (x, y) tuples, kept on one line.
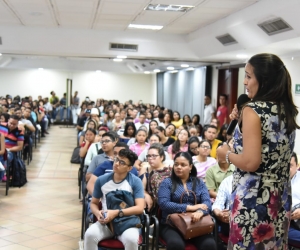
[(11, 137)]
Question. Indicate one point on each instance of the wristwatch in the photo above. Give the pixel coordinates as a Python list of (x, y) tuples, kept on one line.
[(121, 213)]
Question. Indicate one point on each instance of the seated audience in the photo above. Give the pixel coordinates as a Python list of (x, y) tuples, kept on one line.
[(140, 144), (294, 231), (108, 142), (164, 140), (216, 174), (220, 207), (2, 160), (119, 179), (183, 180), (179, 145)]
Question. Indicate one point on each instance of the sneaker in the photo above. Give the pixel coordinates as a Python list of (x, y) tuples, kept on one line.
[(51, 120), (4, 179), (46, 132)]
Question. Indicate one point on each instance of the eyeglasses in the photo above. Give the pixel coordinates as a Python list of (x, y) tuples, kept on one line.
[(194, 149), (121, 163), (152, 156), (205, 147), (105, 141)]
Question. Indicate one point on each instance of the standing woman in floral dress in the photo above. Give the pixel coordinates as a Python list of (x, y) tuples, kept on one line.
[(263, 143)]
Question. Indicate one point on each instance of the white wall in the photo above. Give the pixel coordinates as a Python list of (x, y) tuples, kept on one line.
[(95, 85)]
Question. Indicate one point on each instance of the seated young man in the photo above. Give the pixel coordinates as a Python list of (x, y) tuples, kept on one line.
[(107, 167), (119, 179), (220, 207), (294, 231)]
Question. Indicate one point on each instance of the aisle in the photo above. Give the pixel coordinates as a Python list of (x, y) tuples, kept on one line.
[(46, 212)]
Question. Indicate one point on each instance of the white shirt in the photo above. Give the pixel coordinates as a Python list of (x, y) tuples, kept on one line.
[(295, 184), (223, 196), (92, 151), (208, 111), (138, 125)]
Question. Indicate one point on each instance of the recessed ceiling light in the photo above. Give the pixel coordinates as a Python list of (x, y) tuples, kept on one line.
[(98, 71), (292, 57), (166, 7), (118, 59), (122, 57), (185, 65), (147, 72), (170, 68), (243, 56), (190, 68), (147, 27), (156, 70), (174, 71), (0, 54), (41, 69)]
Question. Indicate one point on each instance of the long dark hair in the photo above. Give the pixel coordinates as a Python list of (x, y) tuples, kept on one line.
[(275, 85), (193, 174), (129, 124), (150, 130), (190, 141), (176, 144)]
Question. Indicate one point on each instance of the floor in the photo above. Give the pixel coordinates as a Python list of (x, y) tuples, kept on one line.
[(46, 212)]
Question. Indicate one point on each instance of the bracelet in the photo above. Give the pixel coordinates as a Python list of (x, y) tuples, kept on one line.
[(227, 157)]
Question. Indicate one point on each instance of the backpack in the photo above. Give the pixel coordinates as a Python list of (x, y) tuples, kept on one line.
[(75, 158), (18, 172)]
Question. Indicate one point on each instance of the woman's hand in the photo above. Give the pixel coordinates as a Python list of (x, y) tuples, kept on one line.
[(222, 151), (234, 114), (202, 206), (197, 216)]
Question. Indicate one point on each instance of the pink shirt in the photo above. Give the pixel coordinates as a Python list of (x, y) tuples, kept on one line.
[(203, 166), (136, 148), (184, 149)]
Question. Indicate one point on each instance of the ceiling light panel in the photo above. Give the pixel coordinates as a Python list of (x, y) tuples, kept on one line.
[(167, 7), (146, 27)]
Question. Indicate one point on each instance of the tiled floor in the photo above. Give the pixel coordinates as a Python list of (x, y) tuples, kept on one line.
[(46, 212)]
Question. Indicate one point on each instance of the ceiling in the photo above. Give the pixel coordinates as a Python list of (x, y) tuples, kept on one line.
[(76, 34)]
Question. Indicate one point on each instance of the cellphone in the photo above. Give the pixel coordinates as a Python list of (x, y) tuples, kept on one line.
[(104, 215)]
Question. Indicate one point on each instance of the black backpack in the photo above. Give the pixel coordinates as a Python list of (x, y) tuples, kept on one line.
[(75, 156), (18, 172)]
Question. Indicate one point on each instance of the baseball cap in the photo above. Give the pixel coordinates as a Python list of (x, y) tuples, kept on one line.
[(94, 111)]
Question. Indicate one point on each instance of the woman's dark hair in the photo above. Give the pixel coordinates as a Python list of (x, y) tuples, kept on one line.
[(172, 117), (275, 85), (150, 131), (190, 141), (6, 116), (174, 133), (161, 129), (183, 123), (151, 115), (198, 119), (159, 148), (129, 124), (91, 130), (220, 136), (130, 155), (193, 174), (176, 144), (155, 136)]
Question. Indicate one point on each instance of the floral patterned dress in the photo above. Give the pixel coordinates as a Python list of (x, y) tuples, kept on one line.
[(261, 200)]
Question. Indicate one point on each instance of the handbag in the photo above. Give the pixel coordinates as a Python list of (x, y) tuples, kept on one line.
[(121, 199), (189, 229)]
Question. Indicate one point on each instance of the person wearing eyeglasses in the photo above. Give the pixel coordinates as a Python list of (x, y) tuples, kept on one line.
[(108, 142), (193, 143), (217, 173), (203, 161), (119, 179)]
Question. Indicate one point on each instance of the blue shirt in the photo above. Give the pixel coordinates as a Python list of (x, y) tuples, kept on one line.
[(169, 202), (107, 167), (105, 184)]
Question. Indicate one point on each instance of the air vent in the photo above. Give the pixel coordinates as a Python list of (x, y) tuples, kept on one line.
[(166, 7), (275, 26), (123, 47), (226, 39)]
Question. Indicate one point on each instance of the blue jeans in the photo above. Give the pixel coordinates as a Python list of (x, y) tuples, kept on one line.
[(294, 236), (61, 113), (54, 113)]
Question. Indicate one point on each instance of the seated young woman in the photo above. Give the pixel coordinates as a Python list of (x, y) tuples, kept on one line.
[(176, 120), (203, 161), (129, 132), (89, 138), (183, 180), (180, 145), (152, 125), (91, 124), (171, 131), (193, 143), (164, 140), (140, 144)]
